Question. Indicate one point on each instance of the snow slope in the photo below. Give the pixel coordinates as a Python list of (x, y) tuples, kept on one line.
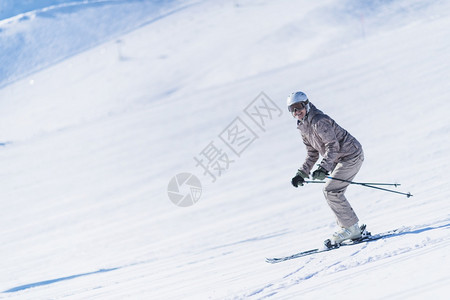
[(88, 146), (37, 34)]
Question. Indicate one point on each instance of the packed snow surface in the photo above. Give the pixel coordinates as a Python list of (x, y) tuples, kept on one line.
[(104, 103)]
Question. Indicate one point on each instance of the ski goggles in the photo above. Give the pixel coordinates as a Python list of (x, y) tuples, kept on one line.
[(297, 107)]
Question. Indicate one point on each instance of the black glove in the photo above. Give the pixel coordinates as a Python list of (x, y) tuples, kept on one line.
[(299, 178), (320, 174)]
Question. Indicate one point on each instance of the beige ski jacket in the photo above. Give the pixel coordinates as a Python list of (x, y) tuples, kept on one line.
[(322, 135)]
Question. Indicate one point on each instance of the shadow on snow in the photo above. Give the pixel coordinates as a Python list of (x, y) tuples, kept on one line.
[(46, 282)]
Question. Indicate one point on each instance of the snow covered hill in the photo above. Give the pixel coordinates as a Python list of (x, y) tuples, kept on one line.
[(36, 34), (92, 134)]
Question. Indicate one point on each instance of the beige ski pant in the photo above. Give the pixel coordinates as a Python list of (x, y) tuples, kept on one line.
[(334, 190)]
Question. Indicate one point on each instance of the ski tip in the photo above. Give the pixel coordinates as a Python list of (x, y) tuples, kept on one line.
[(272, 260)]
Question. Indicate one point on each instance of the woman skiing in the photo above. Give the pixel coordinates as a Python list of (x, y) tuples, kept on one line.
[(342, 157)]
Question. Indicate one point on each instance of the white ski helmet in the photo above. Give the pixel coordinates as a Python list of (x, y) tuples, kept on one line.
[(296, 98)]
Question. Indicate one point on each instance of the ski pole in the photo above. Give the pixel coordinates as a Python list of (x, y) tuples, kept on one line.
[(314, 181), (387, 190), (366, 185)]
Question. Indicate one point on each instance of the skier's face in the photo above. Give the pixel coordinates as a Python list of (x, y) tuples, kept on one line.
[(298, 110), (299, 114)]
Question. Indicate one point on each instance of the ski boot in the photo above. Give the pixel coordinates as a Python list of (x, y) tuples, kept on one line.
[(352, 233)]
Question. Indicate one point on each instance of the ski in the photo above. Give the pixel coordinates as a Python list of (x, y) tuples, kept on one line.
[(367, 237)]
